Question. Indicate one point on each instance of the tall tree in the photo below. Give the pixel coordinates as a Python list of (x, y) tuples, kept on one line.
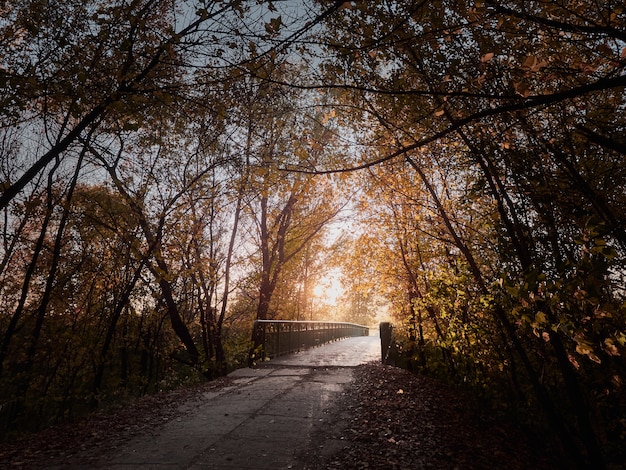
[(494, 92)]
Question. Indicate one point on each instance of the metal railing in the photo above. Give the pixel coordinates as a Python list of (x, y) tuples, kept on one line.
[(278, 337)]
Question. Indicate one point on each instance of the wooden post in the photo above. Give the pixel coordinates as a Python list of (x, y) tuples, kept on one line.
[(386, 334)]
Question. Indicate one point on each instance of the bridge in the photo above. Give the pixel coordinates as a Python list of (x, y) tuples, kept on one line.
[(278, 337), (262, 419)]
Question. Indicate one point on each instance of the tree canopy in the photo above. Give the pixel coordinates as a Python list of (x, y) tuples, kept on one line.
[(170, 171)]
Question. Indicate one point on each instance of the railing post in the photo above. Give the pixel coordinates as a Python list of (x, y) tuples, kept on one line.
[(386, 337)]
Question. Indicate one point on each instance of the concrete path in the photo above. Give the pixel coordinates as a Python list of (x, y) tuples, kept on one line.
[(345, 353), (264, 420)]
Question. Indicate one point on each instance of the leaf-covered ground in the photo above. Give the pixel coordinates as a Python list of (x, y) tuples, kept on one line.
[(101, 431), (387, 418), (392, 419)]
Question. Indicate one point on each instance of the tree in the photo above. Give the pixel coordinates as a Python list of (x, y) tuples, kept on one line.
[(495, 94), (287, 212)]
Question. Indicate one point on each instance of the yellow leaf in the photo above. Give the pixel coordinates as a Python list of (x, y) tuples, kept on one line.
[(584, 349), (609, 347)]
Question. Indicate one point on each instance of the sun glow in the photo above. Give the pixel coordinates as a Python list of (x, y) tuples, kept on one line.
[(329, 288)]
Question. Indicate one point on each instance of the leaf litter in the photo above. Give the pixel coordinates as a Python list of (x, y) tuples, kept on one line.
[(389, 418)]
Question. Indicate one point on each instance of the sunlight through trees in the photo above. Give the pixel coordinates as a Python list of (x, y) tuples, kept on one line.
[(172, 171)]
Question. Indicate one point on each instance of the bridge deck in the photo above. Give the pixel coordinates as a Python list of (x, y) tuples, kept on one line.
[(348, 352), (264, 419)]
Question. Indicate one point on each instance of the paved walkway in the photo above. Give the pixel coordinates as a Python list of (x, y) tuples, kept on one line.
[(264, 420), (346, 353)]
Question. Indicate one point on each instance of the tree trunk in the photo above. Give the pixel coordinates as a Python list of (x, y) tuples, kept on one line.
[(108, 338)]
